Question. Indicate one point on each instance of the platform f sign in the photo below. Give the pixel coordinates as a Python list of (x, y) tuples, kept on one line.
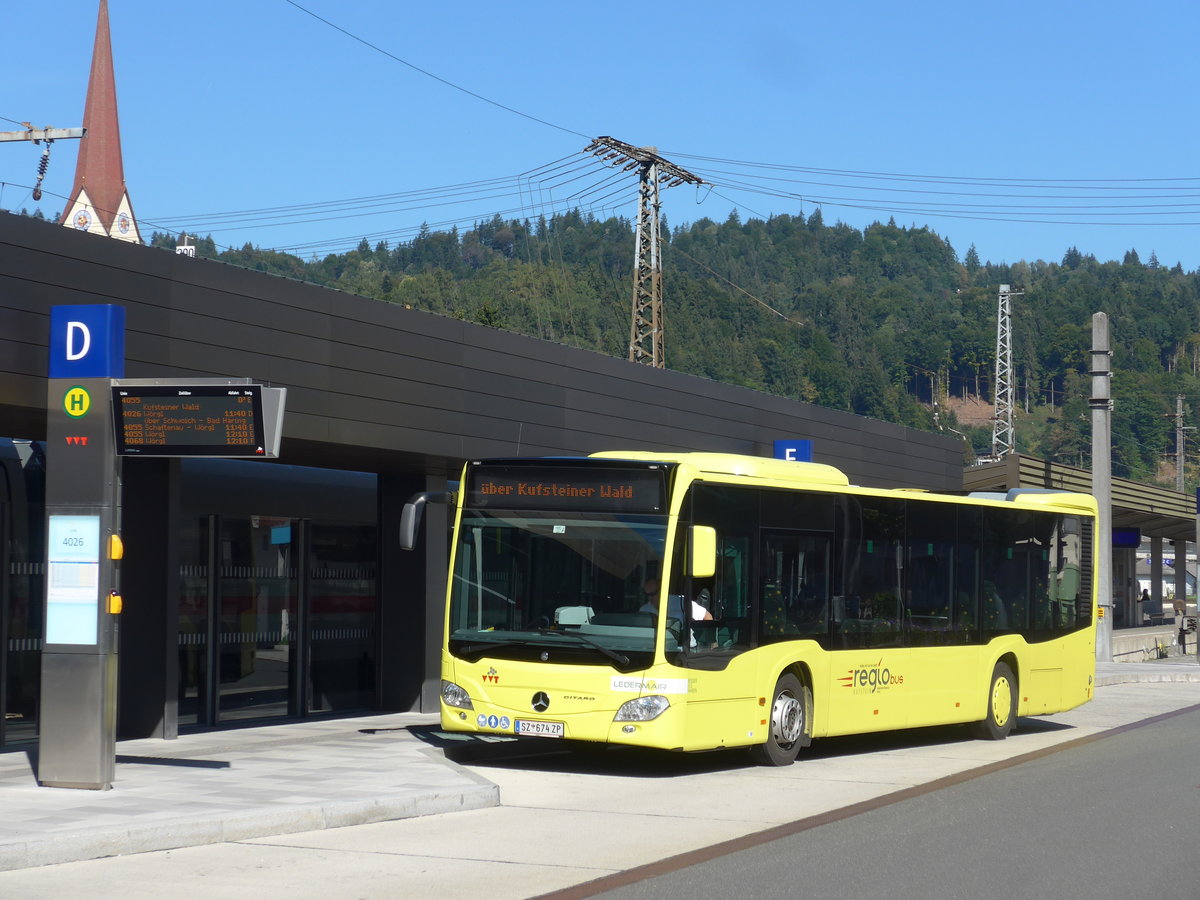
[(87, 341), (794, 450)]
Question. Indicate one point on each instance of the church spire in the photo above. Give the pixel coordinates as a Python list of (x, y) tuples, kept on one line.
[(99, 202)]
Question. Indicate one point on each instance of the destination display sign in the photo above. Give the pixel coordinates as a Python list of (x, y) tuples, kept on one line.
[(584, 488), (189, 420)]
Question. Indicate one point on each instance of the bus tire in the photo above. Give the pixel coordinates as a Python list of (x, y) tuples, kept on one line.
[(1001, 705), (789, 727)]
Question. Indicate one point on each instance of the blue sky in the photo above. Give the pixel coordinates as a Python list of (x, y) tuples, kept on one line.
[(980, 122)]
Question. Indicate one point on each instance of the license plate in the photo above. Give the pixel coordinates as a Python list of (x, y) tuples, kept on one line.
[(540, 729)]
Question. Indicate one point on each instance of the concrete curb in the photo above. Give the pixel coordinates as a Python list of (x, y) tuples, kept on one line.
[(195, 831), (1179, 670), (1167, 675)]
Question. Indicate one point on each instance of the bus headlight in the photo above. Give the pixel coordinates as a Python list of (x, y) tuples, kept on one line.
[(642, 709), (453, 695)]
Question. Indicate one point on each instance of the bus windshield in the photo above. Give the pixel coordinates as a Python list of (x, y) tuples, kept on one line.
[(530, 583)]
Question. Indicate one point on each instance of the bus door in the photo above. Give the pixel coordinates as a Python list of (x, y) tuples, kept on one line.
[(869, 681), (940, 589), (795, 588), (795, 575)]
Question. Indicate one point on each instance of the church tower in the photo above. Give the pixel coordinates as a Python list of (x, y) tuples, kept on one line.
[(99, 202)]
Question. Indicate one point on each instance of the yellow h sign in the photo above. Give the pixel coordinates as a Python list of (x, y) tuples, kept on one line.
[(77, 402)]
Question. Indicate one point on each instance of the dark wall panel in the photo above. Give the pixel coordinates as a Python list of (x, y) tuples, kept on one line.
[(149, 649), (403, 389)]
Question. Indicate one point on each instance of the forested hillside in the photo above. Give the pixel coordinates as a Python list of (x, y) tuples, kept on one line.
[(886, 322)]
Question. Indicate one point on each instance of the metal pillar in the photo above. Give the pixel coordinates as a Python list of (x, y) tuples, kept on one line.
[(1180, 565), (1101, 404), (77, 729), (1156, 581)]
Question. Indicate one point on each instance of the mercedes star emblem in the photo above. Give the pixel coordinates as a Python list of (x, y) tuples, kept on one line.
[(541, 702)]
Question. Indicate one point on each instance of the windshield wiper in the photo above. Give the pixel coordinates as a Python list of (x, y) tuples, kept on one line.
[(619, 658), (482, 647)]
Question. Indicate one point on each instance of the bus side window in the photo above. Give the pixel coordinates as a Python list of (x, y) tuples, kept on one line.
[(1015, 569)]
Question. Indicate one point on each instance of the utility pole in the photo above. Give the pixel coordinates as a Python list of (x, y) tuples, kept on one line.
[(38, 135), (1179, 441), (1101, 404), (1003, 441), (646, 323)]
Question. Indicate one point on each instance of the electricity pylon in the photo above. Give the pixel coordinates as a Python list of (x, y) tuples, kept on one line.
[(646, 323), (1003, 441)]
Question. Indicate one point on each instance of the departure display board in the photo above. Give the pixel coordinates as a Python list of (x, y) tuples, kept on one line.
[(586, 488), (189, 420)]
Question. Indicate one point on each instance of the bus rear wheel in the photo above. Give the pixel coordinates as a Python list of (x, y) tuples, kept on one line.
[(789, 727), (1001, 707)]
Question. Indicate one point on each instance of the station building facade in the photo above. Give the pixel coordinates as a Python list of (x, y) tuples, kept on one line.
[(267, 590)]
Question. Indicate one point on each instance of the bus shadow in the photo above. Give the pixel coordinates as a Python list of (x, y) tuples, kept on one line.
[(543, 754), (929, 736)]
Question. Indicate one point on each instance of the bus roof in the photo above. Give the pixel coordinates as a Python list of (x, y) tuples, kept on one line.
[(821, 475), (734, 464)]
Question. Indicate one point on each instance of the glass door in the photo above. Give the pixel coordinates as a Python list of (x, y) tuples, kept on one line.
[(4, 651), (342, 605), (21, 586), (276, 618), (257, 601), (195, 625)]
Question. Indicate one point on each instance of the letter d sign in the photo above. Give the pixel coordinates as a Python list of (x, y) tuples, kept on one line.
[(87, 341), (79, 341)]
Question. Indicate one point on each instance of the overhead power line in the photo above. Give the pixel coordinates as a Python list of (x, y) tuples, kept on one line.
[(947, 179), (429, 74), (589, 183)]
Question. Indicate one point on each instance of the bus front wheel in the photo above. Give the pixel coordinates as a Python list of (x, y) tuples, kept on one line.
[(789, 728), (1001, 707)]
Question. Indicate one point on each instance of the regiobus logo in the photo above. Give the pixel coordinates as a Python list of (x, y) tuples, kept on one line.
[(869, 679)]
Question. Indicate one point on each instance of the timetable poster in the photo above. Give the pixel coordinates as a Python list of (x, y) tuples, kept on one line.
[(73, 580)]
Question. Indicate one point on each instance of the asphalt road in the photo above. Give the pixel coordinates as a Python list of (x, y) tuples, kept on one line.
[(1118, 816)]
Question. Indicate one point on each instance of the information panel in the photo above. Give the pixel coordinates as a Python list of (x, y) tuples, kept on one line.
[(192, 420), (584, 488), (73, 579)]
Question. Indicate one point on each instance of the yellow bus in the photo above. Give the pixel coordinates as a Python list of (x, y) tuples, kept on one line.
[(695, 601)]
